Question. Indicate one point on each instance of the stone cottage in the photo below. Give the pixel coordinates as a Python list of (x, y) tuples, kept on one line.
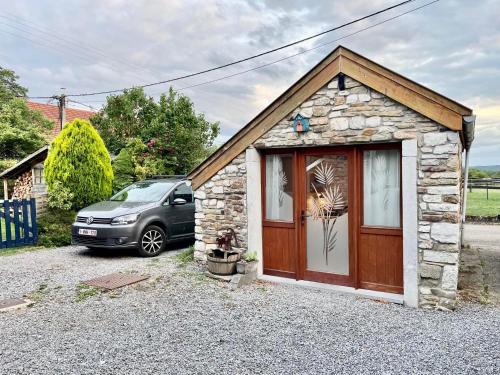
[(352, 177)]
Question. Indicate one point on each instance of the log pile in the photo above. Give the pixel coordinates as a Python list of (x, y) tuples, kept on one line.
[(23, 186)]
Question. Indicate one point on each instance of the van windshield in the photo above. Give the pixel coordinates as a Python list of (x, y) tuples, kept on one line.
[(144, 191)]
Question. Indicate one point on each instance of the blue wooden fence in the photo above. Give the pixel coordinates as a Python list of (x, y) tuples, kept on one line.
[(18, 223)]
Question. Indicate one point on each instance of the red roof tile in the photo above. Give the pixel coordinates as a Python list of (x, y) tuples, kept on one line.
[(52, 113)]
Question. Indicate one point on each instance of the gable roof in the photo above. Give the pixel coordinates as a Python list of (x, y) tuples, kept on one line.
[(26, 164), (342, 60), (52, 113)]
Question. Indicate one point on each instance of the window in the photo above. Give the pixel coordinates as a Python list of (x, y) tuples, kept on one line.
[(381, 188), (144, 191), (38, 176), (279, 187), (185, 192)]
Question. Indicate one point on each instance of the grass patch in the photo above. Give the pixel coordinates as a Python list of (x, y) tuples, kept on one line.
[(84, 291), (185, 257), (478, 205), (155, 262), (4, 229), (39, 293), (19, 250)]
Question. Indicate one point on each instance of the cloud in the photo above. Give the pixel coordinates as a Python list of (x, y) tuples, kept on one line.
[(452, 47)]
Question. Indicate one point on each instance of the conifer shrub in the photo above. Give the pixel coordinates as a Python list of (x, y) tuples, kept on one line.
[(79, 160)]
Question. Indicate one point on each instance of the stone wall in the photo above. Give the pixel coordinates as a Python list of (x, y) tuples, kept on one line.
[(220, 204), (360, 115)]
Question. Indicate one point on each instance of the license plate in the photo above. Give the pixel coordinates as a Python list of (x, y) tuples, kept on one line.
[(87, 232)]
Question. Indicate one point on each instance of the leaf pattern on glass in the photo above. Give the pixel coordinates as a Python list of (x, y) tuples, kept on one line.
[(282, 183), (323, 173), (381, 176), (327, 205)]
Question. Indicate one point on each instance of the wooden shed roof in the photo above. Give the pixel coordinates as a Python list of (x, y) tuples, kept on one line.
[(26, 164), (435, 106)]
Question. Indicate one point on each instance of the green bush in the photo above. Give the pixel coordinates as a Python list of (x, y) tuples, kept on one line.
[(186, 256), (123, 170), (60, 197), (250, 256), (54, 227), (79, 160)]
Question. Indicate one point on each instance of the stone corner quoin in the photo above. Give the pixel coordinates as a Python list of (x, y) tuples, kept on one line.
[(359, 115)]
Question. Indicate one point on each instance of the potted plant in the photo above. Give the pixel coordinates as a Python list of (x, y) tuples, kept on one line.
[(248, 264), (222, 260)]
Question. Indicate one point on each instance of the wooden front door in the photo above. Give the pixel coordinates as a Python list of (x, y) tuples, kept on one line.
[(279, 232), (380, 232), (334, 215), (328, 213)]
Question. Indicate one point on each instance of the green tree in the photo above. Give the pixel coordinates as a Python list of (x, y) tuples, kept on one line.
[(477, 173), (79, 160), (22, 129), (9, 88), (174, 137), (184, 138), (123, 117), (123, 170)]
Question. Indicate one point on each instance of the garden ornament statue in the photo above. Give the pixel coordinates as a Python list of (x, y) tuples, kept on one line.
[(224, 240), (222, 261)]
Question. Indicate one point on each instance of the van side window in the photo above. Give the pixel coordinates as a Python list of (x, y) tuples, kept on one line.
[(185, 192)]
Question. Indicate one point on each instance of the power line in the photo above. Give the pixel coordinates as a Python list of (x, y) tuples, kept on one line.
[(60, 45), (50, 44), (307, 50), (85, 105), (246, 58), (295, 54), (63, 38)]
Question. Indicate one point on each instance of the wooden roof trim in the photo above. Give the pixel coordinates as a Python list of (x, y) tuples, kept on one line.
[(422, 100), (406, 82), (26, 163), (277, 114), (402, 94), (282, 99)]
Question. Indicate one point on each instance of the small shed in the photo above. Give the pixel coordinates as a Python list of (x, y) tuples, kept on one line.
[(28, 173), (28, 176), (352, 177)]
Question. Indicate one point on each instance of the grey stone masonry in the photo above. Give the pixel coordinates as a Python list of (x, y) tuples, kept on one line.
[(221, 203), (359, 115)]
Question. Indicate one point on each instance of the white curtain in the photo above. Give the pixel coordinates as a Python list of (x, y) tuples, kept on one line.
[(381, 177), (279, 204)]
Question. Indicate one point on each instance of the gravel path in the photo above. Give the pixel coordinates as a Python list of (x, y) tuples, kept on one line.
[(179, 322)]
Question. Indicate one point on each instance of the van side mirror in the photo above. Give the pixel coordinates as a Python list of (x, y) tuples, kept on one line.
[(178, 202)]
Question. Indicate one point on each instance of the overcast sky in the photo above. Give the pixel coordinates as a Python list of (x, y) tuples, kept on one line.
[(452, 46)]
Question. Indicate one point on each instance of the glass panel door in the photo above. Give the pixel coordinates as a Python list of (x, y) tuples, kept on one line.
[(327, 214), (279, 187), (381, 191), (278, 224)]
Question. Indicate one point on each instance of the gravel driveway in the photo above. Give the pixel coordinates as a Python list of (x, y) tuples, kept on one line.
[(179, 322)]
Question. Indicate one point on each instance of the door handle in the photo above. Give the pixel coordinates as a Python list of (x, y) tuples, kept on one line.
[(303, 216)]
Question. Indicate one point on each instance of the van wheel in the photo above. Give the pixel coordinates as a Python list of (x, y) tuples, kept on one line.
[(152, 242)]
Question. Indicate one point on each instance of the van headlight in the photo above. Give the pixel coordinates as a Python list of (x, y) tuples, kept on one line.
[(125, 219)]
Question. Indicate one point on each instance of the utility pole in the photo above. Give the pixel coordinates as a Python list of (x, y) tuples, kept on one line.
[(61, 99)]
